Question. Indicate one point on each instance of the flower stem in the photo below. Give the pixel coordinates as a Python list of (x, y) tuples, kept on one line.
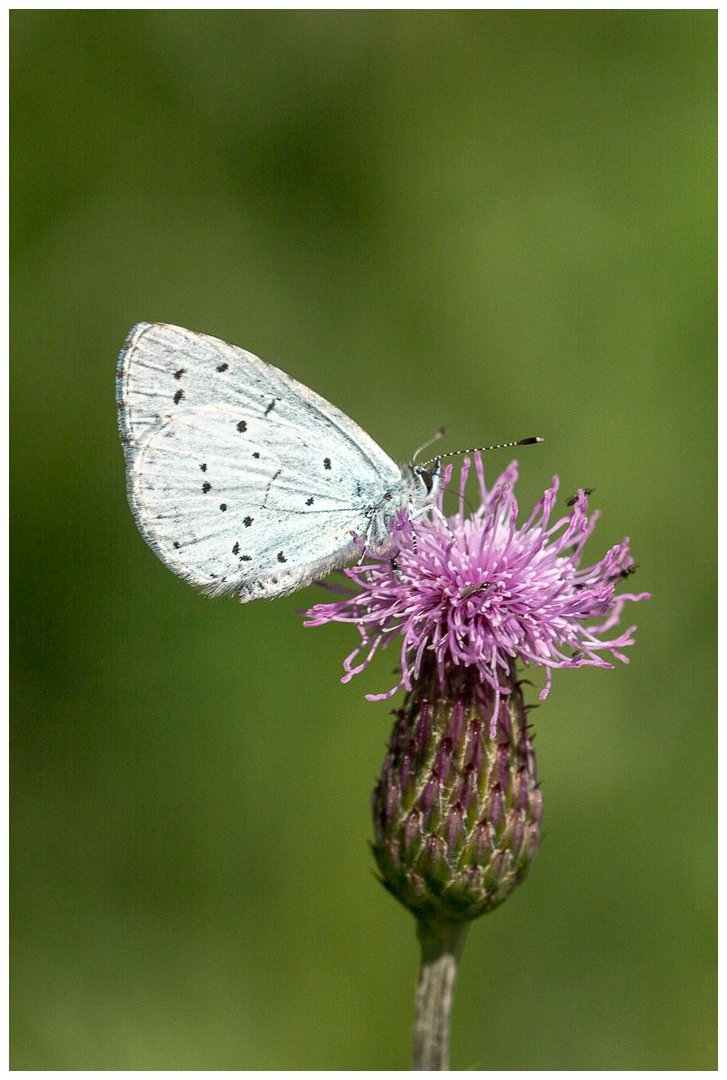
[(441, 944)]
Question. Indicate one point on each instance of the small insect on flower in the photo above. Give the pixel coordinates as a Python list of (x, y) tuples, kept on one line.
[(482, 591), (574, 498)]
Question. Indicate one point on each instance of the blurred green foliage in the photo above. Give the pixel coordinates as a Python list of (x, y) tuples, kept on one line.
[(501, 221)]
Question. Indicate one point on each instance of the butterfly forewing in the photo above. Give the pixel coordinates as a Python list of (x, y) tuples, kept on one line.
[(240, 478)]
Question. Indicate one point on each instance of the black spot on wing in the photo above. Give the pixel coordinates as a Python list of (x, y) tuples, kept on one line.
[(206, 487), (203, 468), (178, 374), (271, 406), (247, 522), (281, 557), (327, 463), (256, 454), (178, 396), (242, 425), (223, 506), (309, 502), (236, 549), (223, 367)]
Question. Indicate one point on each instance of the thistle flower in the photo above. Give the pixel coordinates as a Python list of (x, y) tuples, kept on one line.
[(470, 598), (479, 592)]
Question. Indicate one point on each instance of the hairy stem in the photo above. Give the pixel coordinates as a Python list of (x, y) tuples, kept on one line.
[(441, 944)]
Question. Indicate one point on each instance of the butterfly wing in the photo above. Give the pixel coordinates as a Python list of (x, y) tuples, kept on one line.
[(240, 478)]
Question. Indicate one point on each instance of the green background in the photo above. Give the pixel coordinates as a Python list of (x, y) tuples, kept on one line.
[(501, 221)]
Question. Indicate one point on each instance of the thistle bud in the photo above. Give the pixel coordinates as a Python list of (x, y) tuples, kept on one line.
[(457, 808)]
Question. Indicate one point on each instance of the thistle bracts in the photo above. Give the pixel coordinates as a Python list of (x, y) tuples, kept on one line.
[(457, 808)]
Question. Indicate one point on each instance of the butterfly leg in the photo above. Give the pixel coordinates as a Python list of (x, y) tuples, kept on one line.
[(442, 517)]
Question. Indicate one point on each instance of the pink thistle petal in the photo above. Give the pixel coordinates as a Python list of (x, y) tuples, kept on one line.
[(480, 592)]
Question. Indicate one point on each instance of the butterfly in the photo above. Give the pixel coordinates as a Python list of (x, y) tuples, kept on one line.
[(240, 478)]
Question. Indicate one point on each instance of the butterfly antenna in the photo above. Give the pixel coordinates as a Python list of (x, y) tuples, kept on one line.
[(437, 435), (482, 449)]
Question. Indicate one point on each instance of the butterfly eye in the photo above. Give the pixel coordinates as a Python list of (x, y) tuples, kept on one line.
[(428, 476)]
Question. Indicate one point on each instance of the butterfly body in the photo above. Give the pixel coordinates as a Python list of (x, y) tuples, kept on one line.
[(241, 479)]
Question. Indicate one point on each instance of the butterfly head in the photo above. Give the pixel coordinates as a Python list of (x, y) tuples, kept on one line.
[(420, 484), (421, 480), (429, 477)]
